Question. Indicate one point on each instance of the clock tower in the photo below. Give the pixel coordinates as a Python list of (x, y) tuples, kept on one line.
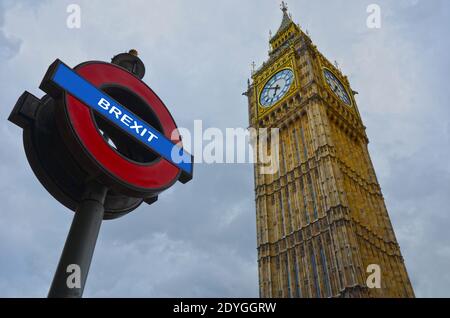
[(322, 225)]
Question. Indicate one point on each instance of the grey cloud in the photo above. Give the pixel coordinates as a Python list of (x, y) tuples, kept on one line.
[(199, 239)]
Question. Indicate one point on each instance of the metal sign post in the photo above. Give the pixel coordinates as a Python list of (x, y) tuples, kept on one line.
[(80, 242), (102, 143)]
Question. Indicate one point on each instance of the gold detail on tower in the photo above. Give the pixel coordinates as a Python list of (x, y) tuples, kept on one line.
[(321, 219), (262, 80)]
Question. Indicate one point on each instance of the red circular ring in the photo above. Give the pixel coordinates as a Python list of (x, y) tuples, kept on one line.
[(156, 176)]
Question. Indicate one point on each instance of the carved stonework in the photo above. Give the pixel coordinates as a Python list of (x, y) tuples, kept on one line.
[(321, 220)]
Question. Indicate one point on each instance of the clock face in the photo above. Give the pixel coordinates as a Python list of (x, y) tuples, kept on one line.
[(337, 87), (276, 88)]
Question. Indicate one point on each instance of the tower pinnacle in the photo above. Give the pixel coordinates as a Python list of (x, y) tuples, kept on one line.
[(286, 21), (286, 31)]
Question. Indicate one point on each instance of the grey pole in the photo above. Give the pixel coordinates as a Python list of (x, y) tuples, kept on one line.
[(80, 243)]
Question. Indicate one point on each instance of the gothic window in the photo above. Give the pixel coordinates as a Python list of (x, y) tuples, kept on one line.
[(306, 271), (283, 158), (288, 200), (274, 213), (305, 149), (296, 204), (280, 287), (315, 273), (323, 261), (305, 206), (288, 274), (282, 213), (297, 274), (313, 196), (295, 144)]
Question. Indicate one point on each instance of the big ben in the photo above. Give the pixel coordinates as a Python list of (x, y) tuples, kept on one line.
[(322, 223)]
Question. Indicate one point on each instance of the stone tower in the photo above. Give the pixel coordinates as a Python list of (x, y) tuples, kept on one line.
[(322, 223)]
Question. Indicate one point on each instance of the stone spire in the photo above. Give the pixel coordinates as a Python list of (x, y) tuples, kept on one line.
[(287, 30), (286, 18)]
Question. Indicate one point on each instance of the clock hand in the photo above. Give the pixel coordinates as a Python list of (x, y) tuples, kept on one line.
[(276, 88)]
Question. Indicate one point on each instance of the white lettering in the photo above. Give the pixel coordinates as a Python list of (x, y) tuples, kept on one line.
[(374, 19), (177, 155), (136, 127), (151, 136), (213, 151), (74, 19), (114, 110), (185, 308), (126, 120), (103, 103), (74, 279), (374, 279)]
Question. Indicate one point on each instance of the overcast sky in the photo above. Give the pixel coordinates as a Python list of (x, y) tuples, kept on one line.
[(199, 239)]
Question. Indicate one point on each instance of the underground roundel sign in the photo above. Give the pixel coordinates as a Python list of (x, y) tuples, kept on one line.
[(119, 126)]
